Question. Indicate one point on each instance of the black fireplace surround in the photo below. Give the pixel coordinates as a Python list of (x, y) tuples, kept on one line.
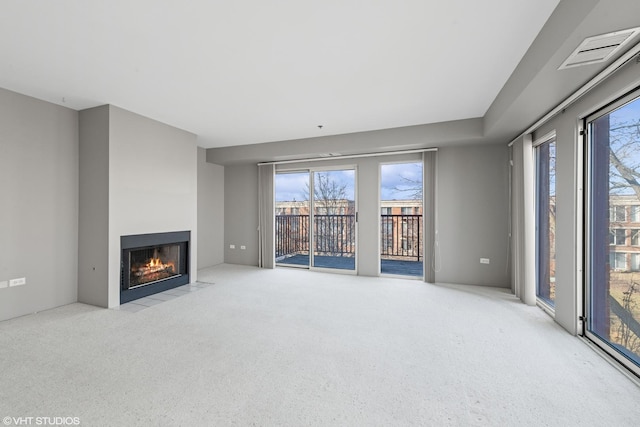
[(152, 263)]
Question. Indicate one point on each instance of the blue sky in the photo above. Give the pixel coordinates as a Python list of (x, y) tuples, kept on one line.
[(627, 113), (394, 178), (625, 144), (292, 186)]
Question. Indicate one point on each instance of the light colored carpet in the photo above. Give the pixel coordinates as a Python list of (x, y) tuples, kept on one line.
[(290, 347)]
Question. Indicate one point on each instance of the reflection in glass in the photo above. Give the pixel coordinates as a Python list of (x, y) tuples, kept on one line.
[(614, 280), (546, 221)]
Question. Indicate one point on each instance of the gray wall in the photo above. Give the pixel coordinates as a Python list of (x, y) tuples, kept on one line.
[(39, 206), (473, 216), (241, 214), (410, 137), (93, 229), (568, 195), (151, 173), (210, 212), (153, 185)]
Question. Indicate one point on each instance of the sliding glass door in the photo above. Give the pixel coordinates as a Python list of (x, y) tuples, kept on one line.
[(316, 209), (613, 230), (334, 219)]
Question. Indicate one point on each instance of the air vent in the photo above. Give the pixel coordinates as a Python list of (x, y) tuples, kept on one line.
[(599, 48)]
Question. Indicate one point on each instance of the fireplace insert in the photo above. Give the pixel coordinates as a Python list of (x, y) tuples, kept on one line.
[(152, 263)]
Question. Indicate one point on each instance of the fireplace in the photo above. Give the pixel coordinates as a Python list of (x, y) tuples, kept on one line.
[(152, 263)]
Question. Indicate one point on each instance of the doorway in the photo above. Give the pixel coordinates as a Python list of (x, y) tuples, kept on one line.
[(401, 219)]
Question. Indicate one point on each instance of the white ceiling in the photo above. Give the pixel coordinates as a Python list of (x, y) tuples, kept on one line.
[(250, 71)]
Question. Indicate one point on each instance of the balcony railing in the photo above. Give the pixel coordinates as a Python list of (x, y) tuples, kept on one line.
[(401, 236), (292, 235)]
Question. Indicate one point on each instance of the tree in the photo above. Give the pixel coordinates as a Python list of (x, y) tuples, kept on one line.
[(624, 143), (330, 196), (411, 186), (334, 216), (624, 177)]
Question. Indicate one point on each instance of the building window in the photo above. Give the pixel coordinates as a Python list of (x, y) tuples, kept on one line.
[(407, 211), (618, 261), (635, 237), (617, 237), (618, 214), (634, 213)]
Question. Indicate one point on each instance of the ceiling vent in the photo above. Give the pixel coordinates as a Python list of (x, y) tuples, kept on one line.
[(599, 48)]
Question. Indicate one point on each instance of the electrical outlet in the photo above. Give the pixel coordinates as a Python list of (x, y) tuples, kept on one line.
[(484, 260), (243, 247), (18, 282), (232, 246), (4, 284)]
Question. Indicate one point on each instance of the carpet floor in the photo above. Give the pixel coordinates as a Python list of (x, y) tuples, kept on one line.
[(292, 347)]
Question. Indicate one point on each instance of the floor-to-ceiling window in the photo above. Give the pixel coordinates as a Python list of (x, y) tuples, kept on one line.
[(613, 220), (545, 156)]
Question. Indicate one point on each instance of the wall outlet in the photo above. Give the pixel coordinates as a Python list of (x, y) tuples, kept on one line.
[(232, 246), (18, 282), (484, 260), (243, 247), (4, 284)]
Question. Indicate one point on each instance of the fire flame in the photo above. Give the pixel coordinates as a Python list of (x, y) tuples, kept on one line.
[(155, 265)]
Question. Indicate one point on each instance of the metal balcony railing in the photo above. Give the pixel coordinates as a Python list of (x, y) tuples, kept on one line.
[(292, 235), (401, 235)]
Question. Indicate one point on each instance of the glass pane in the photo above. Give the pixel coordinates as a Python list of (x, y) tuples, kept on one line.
[(401, 219), (614, 280), (334, 210), (153, 264), (292, 219), (546, 221)]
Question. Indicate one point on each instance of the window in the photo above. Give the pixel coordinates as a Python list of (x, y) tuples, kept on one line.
[(385, 211), (617, 237), (546, 220), (618, 261), (618, 214), (407, 211), (613, 195)]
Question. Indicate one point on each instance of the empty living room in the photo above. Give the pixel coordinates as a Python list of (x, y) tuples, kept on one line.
[(320, 213)]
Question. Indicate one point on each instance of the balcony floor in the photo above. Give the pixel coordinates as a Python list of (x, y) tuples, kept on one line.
[(387, 266)]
